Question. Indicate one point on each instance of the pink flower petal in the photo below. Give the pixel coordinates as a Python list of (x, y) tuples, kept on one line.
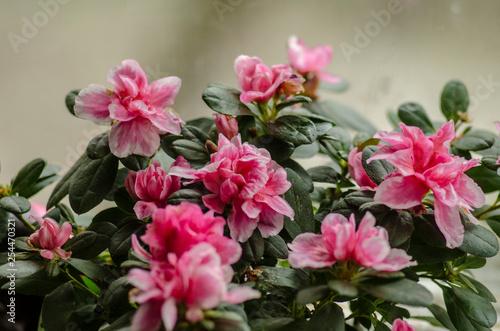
[(241, 227), (92, 103), (166, 122), (449, 223), (147, 317), (308, 251), (162, 92), (168, 315), (329, 78), (396, 260), (117, 111), (128, 78), (241, 294), (48, 254), (137, 137), (63, 234), (401, 192)]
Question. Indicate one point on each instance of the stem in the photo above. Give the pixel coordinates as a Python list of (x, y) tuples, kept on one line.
[(83, 287), (491, 208), (28, 224)]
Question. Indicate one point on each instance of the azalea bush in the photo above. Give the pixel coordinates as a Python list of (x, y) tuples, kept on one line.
[(215, 223)]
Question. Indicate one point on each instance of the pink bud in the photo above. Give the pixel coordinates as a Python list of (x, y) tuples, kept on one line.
[(227, 125)]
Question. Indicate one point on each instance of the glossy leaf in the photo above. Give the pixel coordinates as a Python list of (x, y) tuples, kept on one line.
[(413, 114), (225, 100), (58, 307), (295, 129), (70, 101), (62, 188), (377, 170), (253, 248), (403, 291), (324, 174), (28, 175), (98, 147), (15, 205), (293, 101), (454, 99), (298, 198), (328, 317), (479, 241)]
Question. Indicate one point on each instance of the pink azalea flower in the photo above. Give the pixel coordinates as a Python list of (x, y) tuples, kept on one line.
[(357, 171), (423, 164), (49, 238), (227, 125), (400, 325), (314, 60), (152, 187), (176, 229), (139, 113), (198, 280), (368, 246), (257, 81), (245, 177)]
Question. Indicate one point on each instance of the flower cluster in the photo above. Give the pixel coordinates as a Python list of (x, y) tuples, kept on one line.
[(339, 241), (49, 238), (422, 164), (139, 113), (190, 264), (244, 177)]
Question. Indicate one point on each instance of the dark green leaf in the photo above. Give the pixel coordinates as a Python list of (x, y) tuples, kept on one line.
[(487, 179), (70, 100), (135, 162), (104, 228), (253, 248), (62, 188), (295, 129), (121, 323), (399, 225), (473, 262), (424, 253), (225, 100), (280, 150), (275, 246), (403, 291), (121, 242), (343, 288), (427, 230), (28, 175), (246, 127), (21, 269), (115, 297), (343, 116), (328, 318), (377, 170), (442, 316), (324, 174), (482, 290), (475, 308), (269, 324), (98, 147), (202, 123), (358, 198), (293, 101), (454, 99), (191, 151), (305, 151), (58, 307), (299, 170), (92, 183), (50, 170), (15, 205), (112, 215), (479, 241), (469, 143), (377, 209), (87, 244), (124, 201), (284, 277), (37, 283), (343, 142), (312, 294), (414, 114), (490, 162), (195, 135), (39, 185), (190, 195), (390, 312), (89, 269), (298, 198)]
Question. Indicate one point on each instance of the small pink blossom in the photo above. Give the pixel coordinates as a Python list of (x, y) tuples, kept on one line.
[(49, 238), (139, 113), (176, 229), (227, 125), (400, 325), (368, 246), (257, 81), (423, 164), (247, 179), (314, 60), (198, 279), (152, 187), (357, 171)]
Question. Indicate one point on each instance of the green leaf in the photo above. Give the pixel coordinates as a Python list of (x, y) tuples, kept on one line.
[(190, 195), (324, 174), (70, 101), (276, 247), (39, 185), (344, 139), (442, 316), (253, 248), (358, 198), (21, 269), (115, 297), (98, 147), (295, 279), (482, 290), (58, 307), (305, 151), (92, 183), (121, 323), (312, 294), (472, 306), (28, 175), (135, 162), (299, 199), (414, 114), (399, 225), (225, 100), (487, 179), (113, 215), (87, 244), (89, 269), (473, 262), (280, 150), (469, 143), (293, 101), (343, 116), (295, 129), (299, 170), (454, 99), (121, 241), (427, 254), (479, 241), (403, 291), (390, 312), (343, 288), (124, 201), (377, 170), (62, 188), (15, 205), (191, 151), (269, 324), (195, 135), (205, 124), (490, 162), (38, 283), (328, 318), (427, 230)]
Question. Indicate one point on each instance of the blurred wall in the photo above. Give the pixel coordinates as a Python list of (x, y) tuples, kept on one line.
[(390, 51)]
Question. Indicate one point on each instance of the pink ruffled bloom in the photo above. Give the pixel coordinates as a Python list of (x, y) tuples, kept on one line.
[(257, 81), (49, 238), (314, 60), (339, 241), (227, 125), (357, 171), (245, 177), (176, 229), (423, 164), (198, 278), (152, 187), (139, 113), (400, 325)]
